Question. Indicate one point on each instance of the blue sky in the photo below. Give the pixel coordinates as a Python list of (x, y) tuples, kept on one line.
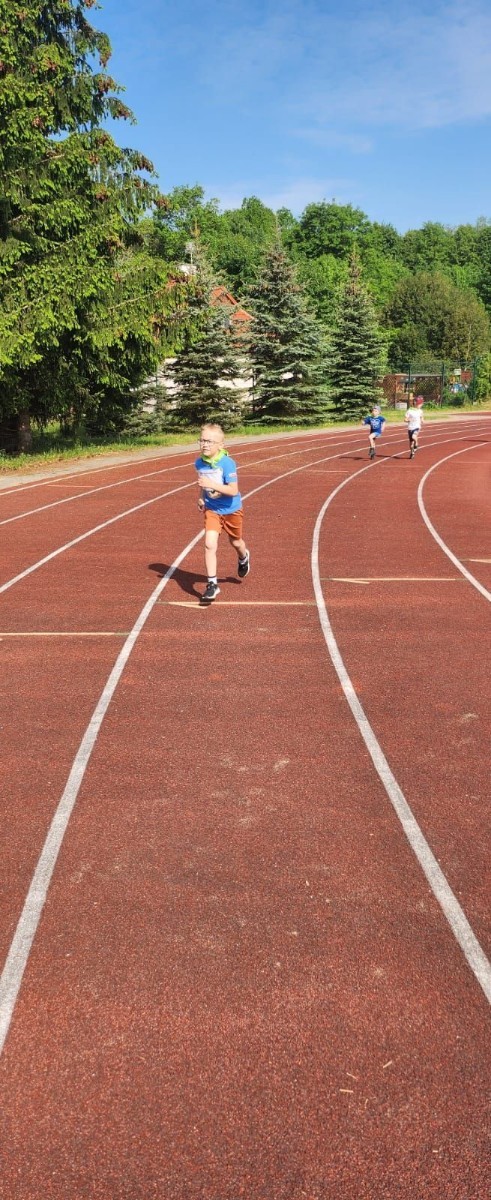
[(386, 106)]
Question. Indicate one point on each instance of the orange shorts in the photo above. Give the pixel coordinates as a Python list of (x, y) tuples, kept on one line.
[(230, 522)]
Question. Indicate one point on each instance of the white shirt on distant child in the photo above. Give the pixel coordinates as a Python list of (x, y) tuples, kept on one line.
[(413, 418)]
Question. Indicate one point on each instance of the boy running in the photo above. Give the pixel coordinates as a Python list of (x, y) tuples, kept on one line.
[(376, 422), (414, 420), (221, 502)]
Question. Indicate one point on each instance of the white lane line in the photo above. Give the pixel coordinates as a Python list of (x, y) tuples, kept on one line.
[(241, 443), (11, 977), (392, 579), (72, 633), (443, 545), (239, 604), (20, 948), (96, 529), (90, 491), (119, 516), (461, 928)]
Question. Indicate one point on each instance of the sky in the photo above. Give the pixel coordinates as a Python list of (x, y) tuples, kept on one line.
[(385, 106)]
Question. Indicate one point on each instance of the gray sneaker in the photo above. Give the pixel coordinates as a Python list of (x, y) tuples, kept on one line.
[(210, 593), (244, 567)]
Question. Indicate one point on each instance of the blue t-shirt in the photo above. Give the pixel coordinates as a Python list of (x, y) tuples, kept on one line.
[(376, 424), (223, 470)]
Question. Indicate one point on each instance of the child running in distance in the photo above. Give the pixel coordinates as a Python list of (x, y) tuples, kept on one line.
[(221, 503), (414, 420), (376, 422)]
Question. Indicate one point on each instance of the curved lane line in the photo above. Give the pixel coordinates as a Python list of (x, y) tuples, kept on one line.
[(461, 928), (20, 948), (55, 478), (244, 444), (32, 512), (443, 545), (96, 529), (145, 503), (135, 479)]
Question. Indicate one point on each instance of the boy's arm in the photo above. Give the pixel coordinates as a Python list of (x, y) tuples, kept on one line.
[(224, 489)]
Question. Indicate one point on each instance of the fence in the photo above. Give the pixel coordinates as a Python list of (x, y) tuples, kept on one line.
[(438, 382)]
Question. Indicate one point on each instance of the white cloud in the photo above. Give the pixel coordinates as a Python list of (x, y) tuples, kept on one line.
[(294, 195), (332, 139), (414, 67), (415, 64)]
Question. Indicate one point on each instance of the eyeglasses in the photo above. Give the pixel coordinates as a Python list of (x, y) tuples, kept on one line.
[(208, 441)]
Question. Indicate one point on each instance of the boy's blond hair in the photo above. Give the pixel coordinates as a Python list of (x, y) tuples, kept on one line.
[(213, 428)]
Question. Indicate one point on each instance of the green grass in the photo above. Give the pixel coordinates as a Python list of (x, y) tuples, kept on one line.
[(50, 448)]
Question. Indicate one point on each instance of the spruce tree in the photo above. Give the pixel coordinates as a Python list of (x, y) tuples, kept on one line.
[(210, 364), (286, 347), (357, 351)]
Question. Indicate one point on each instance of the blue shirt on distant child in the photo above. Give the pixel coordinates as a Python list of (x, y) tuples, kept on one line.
[(376, 424)]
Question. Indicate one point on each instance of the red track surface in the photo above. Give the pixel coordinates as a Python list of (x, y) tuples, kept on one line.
[(241, 983)]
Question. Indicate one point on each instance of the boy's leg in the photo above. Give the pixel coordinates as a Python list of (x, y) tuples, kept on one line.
[(239, 545), (211, 544), (244, 563), (233, 526), (371, 451)]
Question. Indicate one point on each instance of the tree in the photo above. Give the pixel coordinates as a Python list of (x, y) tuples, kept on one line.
[(356, 349), (322, 278), (208, 368), (71, 198), (433, 318), (331, 229), (181, 216), (428, 249), (286, 347)]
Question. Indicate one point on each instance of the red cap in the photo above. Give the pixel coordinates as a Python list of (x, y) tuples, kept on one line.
[(420, 399)]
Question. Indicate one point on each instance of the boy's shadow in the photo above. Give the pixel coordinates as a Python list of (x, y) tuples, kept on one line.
[(188, 581)]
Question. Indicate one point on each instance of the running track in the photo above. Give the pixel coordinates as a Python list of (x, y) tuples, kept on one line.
[(245, 928)]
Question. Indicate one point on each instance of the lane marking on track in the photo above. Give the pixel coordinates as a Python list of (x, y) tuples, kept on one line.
[(20, 947), (479, 560), (90, 490), (242, 443), (96, 529), (443, 545), (392, 579), (145, 504), (74, 633), (461, 928), (239, 604)]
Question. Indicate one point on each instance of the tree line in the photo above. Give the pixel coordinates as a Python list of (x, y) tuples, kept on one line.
[(92, 292)]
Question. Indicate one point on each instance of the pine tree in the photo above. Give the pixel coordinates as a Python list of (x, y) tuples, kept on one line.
[(286, 347), (357, 351), (210, 363)]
